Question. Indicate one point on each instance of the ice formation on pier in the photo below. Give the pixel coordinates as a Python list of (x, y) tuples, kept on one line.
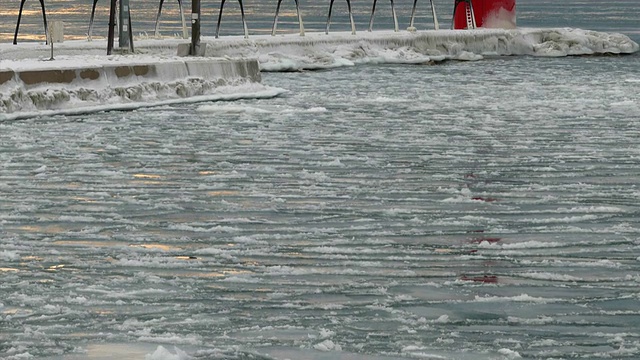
[(274, 53)]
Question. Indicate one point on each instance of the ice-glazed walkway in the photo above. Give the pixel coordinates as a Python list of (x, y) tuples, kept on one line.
[(280, 53)]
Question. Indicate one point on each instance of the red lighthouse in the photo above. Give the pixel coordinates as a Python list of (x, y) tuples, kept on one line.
[(471, 14)]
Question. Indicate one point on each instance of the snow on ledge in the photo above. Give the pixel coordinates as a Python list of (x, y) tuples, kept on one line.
[(81, 84)]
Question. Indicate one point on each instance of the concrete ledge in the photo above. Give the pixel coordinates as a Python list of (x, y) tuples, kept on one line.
[(50, 76), (5, 76), (68, 73)]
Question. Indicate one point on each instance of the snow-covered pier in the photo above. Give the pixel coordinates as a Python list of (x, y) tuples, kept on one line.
[(76, 77), (82, 78), (78, 84)]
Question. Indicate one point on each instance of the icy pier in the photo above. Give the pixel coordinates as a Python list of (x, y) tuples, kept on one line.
[(318, 50), (83, 79), (80, 84), (292, 52)]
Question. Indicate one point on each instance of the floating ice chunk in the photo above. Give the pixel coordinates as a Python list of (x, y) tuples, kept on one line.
[(319, 176), (468, 56), (592, 209), (543, 320), (334, 163), (327, 345), (549, 276), (419, 352), (7, 255), (528, 245), (231, 108), (318, 109), (518, 298), (163, 354), (626, 103), (76, 300), (41, 169), (325, 333), (445, 341), (510, 354), (16, 354), (442, 319), (412, 348), (544, 343)]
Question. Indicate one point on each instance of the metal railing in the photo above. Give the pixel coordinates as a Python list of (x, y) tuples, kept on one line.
[(124, 20)]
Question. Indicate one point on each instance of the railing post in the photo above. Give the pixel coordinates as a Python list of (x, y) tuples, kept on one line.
[(112, 27), (195, 27)]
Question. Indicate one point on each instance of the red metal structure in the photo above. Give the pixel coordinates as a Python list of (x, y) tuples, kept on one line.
[(471, 14)]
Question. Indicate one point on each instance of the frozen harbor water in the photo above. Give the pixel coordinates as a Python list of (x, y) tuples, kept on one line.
[(467, 210), (455, 217)]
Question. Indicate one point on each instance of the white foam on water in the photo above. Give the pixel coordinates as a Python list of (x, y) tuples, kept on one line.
[(171, 338), (543, 320), (625, 103), (317, 109), (8, 255), (521, 245), (549, 276), (156, 262), (510, 354), (591, 209), (607, 264), (231, 108), (518, 298), (327, 345)]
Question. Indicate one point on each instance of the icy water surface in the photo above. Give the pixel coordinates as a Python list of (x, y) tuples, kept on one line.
[(459, 211), (476, 210)]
